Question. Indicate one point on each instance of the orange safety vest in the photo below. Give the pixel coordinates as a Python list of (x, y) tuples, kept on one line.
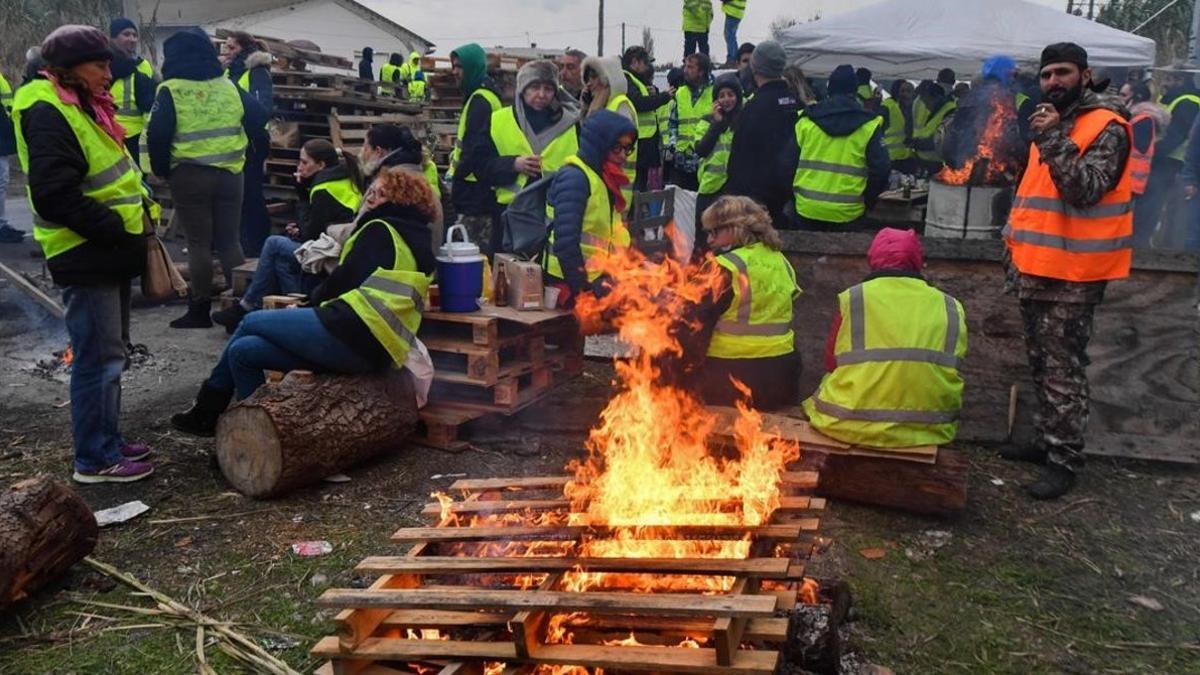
[(1139, 160), (1049, 238)]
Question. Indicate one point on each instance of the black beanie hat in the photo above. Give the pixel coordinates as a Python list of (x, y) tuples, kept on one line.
[(119, 24), (72, 44), (1065, 52), (842, 80), (946, 76)]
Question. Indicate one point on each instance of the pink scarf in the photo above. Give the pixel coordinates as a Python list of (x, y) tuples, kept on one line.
[(103, 106)]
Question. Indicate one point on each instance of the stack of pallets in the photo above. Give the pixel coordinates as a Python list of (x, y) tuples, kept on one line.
[(437, 610)]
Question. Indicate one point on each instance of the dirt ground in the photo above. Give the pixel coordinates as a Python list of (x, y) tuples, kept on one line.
[(1106, 580)]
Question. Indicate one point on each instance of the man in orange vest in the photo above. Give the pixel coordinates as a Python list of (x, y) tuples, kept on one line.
[(1070, 232)]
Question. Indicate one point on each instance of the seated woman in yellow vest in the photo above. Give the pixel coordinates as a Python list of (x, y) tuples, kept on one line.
[(716, 138), (392, 145), (362, 319), (746, 332), (330, 191), (585, 204), (533, 136), (605, 84), (892, 355)]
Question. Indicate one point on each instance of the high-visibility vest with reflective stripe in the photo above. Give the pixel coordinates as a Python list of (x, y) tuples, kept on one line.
[(734, 8), (416, 88), (386, 71), (690, 113), (208, 124), (697, 15), (714, 169), (1050, 238), (758, 323), (125, 98), (456, 153), (112, 177), (663, 115), (1179, 152), (1022, 97), (898, 350), (893, 136), (343, 191), (928, 129), (602, 231), (431, 174), (1139, 159), (630, 166), (6, 95), (920, 113), (831, 174), (391, 300), (511, 141), (647, 122)]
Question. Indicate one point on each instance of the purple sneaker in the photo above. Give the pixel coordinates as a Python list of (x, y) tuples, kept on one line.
[(124, 471), (135, 452)]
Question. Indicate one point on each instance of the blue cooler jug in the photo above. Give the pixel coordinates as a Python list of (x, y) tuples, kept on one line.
[(460, 273)]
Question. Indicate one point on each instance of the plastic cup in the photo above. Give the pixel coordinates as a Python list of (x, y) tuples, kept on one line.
[(550, 296)]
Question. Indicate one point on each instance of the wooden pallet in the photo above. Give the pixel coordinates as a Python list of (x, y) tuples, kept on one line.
[(242, 275), (496, 607)]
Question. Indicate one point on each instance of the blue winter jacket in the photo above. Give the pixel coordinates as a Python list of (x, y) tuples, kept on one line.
[(569, 191)]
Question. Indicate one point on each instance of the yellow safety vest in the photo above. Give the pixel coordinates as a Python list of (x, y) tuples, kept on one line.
[(663, 115), (1022, 97), (511, 141), (416, 88), (456, 154), (630, 166), (391, 300), (208, 124), (697, 15), (112, 177), (343, 191), (647, 122), (893, 135), (734, 8), (431, 174), (386, 71), (831, 174), (603, 230), (1179, 152), (758, 323), (124, 96), (896, 384), (714, 169), (928, 129), (689, 114), (6, 95)]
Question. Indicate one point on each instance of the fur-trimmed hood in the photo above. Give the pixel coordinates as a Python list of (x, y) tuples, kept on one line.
[(258, 59), (608, 68)]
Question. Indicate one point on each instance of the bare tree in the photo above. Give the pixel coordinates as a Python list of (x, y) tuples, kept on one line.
[(26, 22), (648, 40)]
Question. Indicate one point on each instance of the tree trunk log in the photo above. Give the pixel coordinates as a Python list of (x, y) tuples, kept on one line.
[(45, 528), (307, 427), (931, 489)]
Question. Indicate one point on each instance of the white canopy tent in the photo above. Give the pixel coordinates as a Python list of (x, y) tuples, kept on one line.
[(914, 39)]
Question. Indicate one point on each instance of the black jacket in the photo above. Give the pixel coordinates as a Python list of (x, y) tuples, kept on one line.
[(478, 198), (143, 86), (1181, 124), (318, 213), (762, 161), (372, 250), (8, 136), (57, 167), (262, 89), (189, 56), (649, 149), (841, 116)]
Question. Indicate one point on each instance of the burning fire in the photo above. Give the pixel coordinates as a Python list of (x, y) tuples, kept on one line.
[(649, 469), (988, 155), (68, 356)]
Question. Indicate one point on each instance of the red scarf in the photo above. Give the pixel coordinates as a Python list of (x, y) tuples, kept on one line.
[(615, 178), (103, 107)]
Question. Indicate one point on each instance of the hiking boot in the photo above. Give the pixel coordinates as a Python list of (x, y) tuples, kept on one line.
[(10, 234), (196, 317), (135, 452), (201, 418), (230, 317), (123, 471), (1056, 480), (1015, 452)]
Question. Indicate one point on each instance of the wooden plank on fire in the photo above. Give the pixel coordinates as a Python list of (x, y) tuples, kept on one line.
[(428, 618), (435, 508), (760, 568), (526, 483), (766, 630), (27, 287), (389, 649), (727, 631), (413, 535), (599, 602), (661, 659)]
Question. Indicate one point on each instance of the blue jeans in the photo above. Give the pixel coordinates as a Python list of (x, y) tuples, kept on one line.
[(278, 271), (284, 340), (731, 41), (94, 326)]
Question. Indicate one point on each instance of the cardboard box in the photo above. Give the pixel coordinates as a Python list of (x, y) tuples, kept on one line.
[(524, 281)]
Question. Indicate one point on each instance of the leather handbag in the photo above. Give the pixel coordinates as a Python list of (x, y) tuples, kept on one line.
[(160, 280)]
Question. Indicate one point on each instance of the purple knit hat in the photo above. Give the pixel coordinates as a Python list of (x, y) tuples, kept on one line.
[(71, 45)]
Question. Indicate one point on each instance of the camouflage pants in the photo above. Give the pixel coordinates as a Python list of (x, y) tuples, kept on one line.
[(1056, 337), (479, 229)]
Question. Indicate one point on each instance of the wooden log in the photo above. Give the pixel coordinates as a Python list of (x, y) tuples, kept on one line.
[(938, 489), (308, 427), (45, 528), (765, 568), (416, 535)]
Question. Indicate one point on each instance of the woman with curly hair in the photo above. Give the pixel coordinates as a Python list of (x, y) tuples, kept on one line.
[(747, 329), (361, 320)]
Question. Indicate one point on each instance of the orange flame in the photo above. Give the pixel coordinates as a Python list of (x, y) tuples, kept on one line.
[(68, 356), (999, 120)]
